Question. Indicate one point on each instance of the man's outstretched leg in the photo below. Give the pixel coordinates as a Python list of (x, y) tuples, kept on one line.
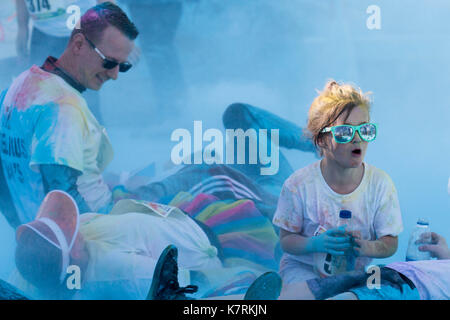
[(242, 116)]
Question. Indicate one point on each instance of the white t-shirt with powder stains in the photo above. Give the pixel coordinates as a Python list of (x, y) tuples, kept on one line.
[(307, 202), (46, 121)]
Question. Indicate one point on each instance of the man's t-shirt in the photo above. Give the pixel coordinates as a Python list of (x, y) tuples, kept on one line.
[(51, 16), (431, 277), (46, 121)]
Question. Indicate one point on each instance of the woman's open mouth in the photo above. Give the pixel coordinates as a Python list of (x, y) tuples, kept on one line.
[(357, 152)]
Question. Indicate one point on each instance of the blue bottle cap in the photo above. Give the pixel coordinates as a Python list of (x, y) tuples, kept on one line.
[(345, 214), (423, 222)]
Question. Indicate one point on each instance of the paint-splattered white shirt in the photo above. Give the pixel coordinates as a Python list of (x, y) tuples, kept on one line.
[(307, 202), (46, 121)]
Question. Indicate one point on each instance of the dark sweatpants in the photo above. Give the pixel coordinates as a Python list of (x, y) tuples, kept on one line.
[(323, 288)]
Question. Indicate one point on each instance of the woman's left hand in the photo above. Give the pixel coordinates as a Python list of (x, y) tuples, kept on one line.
[(359, 245), (383, 247)]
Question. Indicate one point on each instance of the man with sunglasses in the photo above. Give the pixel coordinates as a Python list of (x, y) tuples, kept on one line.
[(50, 139), (49, 35)]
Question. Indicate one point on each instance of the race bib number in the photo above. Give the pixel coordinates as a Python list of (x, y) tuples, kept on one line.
[(43, 9), (38, 5)]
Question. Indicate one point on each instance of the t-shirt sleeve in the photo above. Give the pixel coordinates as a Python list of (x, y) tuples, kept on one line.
[(388, 218), (58, 137), (289, 213)]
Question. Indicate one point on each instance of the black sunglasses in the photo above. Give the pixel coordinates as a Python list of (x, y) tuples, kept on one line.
[(109, 64)]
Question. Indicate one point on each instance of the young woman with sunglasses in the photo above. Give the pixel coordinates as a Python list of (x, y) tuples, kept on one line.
[(312, 197)]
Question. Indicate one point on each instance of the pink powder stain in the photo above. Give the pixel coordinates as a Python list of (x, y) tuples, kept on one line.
[(325, 216), (29, 90)]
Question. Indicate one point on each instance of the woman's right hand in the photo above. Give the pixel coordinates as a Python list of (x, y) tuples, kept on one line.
[(333, 241)]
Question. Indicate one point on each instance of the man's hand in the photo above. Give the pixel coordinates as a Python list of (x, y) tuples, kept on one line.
[(438, 247)]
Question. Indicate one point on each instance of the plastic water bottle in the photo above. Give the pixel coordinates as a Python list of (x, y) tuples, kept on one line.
[(341, 264), (413, 253)]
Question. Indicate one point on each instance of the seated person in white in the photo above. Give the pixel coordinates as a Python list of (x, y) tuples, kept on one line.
[(115, 254)]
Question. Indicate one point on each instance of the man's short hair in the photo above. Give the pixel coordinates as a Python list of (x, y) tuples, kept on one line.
[(98, 18)]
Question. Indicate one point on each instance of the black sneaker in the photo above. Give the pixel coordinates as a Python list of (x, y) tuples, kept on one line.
[(265, 287), (8, 292), (165, 284)]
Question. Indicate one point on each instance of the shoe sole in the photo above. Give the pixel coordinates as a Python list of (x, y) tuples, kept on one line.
[(170, 250), (266, 287)]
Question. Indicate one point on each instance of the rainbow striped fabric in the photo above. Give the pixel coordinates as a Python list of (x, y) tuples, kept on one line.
[(246, 236)]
